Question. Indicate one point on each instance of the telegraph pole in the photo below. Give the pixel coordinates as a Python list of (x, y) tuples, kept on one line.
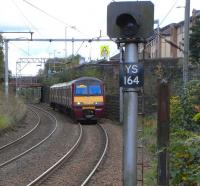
[(186, 42)]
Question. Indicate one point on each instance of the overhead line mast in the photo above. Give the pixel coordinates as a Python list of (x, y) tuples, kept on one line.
[(6, 57), (186, 43), (37, 40), (57, 39)]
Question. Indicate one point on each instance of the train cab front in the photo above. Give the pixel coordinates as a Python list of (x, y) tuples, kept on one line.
[(88, 112), (88, 102)]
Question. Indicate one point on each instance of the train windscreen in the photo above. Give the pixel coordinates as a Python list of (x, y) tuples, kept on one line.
[(81, 90), (94, 89), (88, 90)]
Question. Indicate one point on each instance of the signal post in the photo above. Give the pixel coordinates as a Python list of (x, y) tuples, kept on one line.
[(130, 23)]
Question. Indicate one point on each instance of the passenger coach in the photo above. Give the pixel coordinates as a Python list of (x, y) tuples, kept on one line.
[(83, 97)]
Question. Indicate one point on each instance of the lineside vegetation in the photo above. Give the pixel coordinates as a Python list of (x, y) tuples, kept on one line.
[(185, 137), (12, 111)]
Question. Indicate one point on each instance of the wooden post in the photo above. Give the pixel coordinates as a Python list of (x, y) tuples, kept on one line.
[(163, 133)]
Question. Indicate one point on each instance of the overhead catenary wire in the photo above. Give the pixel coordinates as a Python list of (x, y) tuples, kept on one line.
[(24, 51), (79, 48), (25, 18), (160, 35), (51, 16), (20, 11), (170, 10), (156, 34)]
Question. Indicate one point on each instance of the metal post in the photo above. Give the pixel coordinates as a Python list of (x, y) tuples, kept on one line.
[(54, 68), (121, 90), (158, 40), (16, 83), (6, 67), (65, 43), (130, 123), (72, 47), (163, 133), (186, 42)]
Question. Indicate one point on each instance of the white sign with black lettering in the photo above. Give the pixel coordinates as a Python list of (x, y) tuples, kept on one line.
[(131, 75)]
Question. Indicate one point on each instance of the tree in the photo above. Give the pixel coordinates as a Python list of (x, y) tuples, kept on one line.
[(55, 70), (195, 42), (56, 65)]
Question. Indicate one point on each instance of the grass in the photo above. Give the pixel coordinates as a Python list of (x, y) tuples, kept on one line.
[(12, 110), (4, 122), (149, 141)]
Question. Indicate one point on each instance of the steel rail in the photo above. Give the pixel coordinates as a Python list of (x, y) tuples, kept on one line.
[(33, 147), (100, 159), (60, 161), (26, 134)]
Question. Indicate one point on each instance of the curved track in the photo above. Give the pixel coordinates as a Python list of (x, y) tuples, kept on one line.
[(86, 153), (41, 179), (60, 161), (26, 134), (100, 159), (36, 145)]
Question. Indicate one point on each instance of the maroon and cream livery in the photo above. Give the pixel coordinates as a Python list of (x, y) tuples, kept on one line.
[(82, 97)]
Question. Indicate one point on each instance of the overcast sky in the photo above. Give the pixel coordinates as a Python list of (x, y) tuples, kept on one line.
[(77, 18)]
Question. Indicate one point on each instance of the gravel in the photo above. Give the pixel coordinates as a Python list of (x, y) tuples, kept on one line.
[(110, 172), (77, 168), (27, 168)]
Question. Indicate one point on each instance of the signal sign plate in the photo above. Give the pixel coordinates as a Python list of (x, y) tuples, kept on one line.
[(131, 75)]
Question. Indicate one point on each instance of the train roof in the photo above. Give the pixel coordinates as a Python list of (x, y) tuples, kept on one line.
[(59, 85), (85, 78)]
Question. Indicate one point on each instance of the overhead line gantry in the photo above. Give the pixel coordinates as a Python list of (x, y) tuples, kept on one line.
[(40, 40)]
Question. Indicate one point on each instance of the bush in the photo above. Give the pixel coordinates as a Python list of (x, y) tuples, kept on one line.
[(4, 122), (196, 117), (193, 91), (176, 113), (185, 158), (12, 110), (185, 136), (183, 109)]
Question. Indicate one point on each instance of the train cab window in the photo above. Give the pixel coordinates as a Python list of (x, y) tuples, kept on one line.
[(94, 89), (81, 90)]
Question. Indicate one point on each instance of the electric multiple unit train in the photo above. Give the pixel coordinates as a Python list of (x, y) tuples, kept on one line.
[(82, 97)]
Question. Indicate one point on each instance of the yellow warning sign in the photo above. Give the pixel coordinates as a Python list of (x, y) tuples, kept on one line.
[(104, 51)]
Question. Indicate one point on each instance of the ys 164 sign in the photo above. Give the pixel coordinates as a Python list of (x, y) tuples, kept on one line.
[(131, 75)]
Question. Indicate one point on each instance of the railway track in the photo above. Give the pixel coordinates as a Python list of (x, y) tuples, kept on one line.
[(100, 159), (45, 174), (26, 135), (50, 172), (21, 172), (41, 179)]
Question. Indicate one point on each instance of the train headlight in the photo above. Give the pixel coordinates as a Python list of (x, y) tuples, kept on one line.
[(78, 103), (98, 103)]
